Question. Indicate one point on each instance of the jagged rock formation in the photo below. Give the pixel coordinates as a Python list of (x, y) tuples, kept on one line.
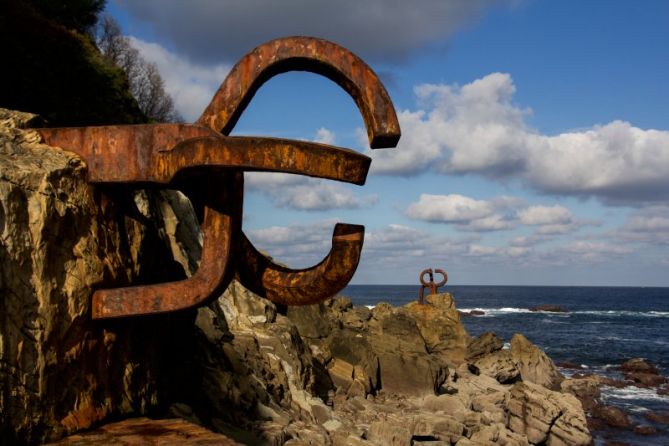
[(60, 238), (328, 374)]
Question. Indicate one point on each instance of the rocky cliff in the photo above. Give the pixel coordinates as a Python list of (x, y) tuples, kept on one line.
[(327, 374)]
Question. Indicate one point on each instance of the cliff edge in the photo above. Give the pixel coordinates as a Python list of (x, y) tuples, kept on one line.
[(255, 373)]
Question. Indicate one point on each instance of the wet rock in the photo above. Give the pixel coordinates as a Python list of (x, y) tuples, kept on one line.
[(646, 379), (645, 429), (484, 344), (549, 308), (611, 416), (639, 365), (657, 417), (534, 365), (569, 365)]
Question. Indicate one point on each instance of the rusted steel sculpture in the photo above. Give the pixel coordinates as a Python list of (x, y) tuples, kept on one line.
[(430, 284), (208, 166)]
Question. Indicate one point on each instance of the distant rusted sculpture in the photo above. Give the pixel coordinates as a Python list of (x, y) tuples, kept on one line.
[(208, 166), (430, 284)]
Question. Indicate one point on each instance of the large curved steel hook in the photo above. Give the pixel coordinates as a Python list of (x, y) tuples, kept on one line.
[(305, 54), (305, 286), (222, 220), (254, 270), (208, 166)]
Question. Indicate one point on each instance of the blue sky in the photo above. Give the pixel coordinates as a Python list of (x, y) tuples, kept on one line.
[(535, 145)]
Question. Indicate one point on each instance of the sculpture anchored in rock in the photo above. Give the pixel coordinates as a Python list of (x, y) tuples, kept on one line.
[(430, 284), (206, 164)]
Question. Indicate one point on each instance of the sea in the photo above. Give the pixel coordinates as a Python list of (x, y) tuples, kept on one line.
[(602, 328)]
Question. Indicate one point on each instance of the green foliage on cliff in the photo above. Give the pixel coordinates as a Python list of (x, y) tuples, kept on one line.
[(51, 66)]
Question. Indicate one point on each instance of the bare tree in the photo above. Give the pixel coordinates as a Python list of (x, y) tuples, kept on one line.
[(146, 84)]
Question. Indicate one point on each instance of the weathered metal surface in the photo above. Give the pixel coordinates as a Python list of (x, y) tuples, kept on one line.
[(430, 284), (300, 287), (201, 160), (305, 54)]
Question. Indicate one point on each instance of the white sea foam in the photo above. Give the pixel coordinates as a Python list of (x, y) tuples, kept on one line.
[(607, 313), (616, 313), (496, 311), (632, 393), (371, 307)]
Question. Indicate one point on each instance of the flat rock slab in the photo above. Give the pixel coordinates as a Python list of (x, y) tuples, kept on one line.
[(146, 432)]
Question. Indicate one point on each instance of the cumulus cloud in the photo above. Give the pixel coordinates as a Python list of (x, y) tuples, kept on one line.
[(325, 136), (593, 251), (399, 248), (317, 195), (465, 212), (550, 219), (305, 193), (649, 225), (302, 245), (216, 31), (448, 208), (298, 246), (476, 128), (545, 215), (191, 85), (496, 214)]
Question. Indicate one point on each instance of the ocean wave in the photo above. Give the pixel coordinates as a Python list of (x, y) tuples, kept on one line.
[(496, 311), (609, 313), (615, 313), (632, 393), (371, 307)]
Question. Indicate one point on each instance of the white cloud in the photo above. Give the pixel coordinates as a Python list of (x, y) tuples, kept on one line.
[(325, 136), (305, 193), (593, 251), (465, 212), (496, 214), (545, 215), (650, 226), (448, 208), (477, 128), (212, 31), (316, 195), (191, 85), (298, 246)]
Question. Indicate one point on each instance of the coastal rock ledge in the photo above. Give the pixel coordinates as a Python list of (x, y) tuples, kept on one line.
[(240, 370)]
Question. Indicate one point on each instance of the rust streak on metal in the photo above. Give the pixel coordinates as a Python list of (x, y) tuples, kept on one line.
[(201, 160), (430, 283), (306, 286), (222, 220), (305, 54)]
